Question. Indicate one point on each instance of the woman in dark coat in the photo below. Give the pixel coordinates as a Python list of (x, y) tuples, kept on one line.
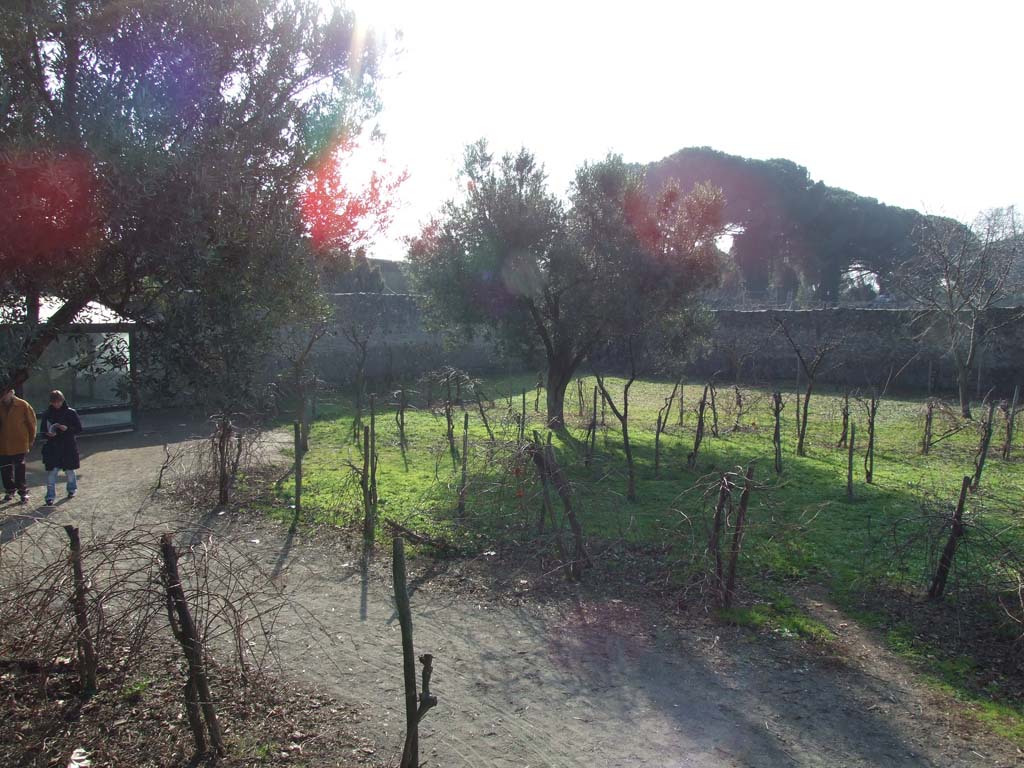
[(60, 425)]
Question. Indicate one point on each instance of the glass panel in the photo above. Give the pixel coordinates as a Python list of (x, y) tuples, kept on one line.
[(91, 369)]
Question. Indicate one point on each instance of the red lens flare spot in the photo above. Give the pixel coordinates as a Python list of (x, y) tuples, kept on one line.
[(342, 212), (49, 207)]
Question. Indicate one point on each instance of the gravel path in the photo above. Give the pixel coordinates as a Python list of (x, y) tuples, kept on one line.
[(585, 681)]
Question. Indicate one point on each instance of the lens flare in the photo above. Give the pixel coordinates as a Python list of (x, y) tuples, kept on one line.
[(342, 211), (49, 209)]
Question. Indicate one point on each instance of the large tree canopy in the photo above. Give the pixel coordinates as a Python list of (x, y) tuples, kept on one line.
[(793, 233), (558, 282), (143, 145)]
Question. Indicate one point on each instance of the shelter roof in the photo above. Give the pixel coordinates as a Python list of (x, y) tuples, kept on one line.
[(94, 313)]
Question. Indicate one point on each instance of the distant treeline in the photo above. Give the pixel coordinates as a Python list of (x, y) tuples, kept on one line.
[(796, 237)]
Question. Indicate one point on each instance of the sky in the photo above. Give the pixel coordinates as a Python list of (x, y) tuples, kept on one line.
[(917, 104)]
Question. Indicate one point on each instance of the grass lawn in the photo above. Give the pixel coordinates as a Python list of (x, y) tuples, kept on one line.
[(802, 527)]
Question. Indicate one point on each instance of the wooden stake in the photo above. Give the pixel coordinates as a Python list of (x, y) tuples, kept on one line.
[(593, 432), (369, 523), (739, 408), (929, 415), (657, 447), (581, 558), (184, 630), (522, 420), (87, 662), (777, 406), (724, 496), (450, 419), (298, 477), (714, 411), (869, 456), (1011, 415), (938, 586), (986, 438), (849, 461), (483, 415), (373, 453), (663, 414), (400, 420), (414, 711), (737, 537), (691, 459), (537, 454), (682, 406), (846, 421), (465, 461)]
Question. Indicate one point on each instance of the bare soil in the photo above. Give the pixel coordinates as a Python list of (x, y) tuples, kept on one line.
[(581, 676)]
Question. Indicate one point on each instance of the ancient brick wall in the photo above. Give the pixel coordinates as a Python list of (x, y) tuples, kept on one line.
[(400, 346), (868, 344)]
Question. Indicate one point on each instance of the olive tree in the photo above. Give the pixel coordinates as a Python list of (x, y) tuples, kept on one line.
[(556, 281)]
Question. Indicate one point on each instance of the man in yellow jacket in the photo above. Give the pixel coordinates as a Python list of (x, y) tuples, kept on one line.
[(17, 433)]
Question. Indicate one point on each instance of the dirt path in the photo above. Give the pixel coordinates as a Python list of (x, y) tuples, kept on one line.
[(587, 681)]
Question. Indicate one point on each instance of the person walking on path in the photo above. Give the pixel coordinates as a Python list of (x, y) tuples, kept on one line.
[(60, 425), (17, 433)]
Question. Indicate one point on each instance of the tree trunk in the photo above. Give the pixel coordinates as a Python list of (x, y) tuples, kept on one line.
[(559, 377), (963, 375)]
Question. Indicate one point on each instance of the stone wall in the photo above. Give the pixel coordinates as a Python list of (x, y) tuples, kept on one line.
[(400, 347), (868, 344)]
